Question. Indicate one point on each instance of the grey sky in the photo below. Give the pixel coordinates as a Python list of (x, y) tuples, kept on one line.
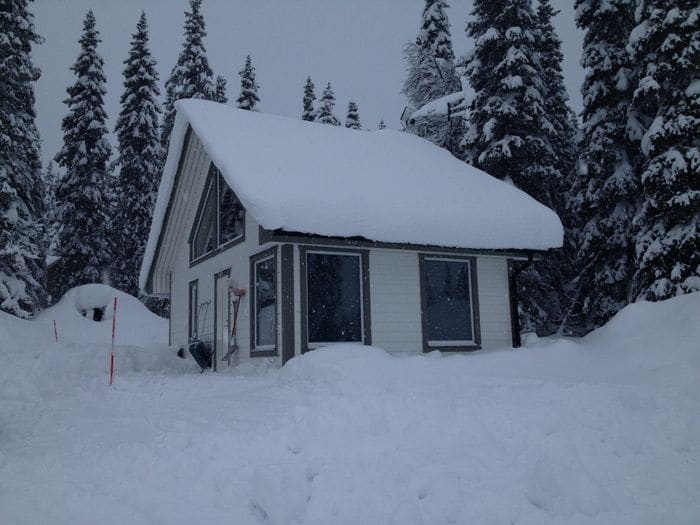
[(355, 44)]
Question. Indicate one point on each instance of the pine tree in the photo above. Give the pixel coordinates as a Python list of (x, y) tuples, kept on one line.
[(191, 77), (139, 158), (51, 209), (308, 113), (352, 120), (381, 125), (248, 98), (83, 240), (667, 44), (430, 60), (220, 96), (22, 252), (605, 196), (325, 111)]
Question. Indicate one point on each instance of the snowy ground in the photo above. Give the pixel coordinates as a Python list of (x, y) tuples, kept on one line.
[(602, 430)]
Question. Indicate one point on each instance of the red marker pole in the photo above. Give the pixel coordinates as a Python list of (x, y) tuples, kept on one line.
[(55, 331), (111, 355)]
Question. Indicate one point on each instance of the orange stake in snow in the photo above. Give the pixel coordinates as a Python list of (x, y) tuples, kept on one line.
[(111, 355)]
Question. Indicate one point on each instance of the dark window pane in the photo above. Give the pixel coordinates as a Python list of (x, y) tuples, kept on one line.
[(205, 237), (448, 305), (266, 302), (193, 307), (230, 213), (334, 298)]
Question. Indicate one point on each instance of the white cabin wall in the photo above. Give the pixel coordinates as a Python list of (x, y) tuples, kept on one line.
[(396, 304)]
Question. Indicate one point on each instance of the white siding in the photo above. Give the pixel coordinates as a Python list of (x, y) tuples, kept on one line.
[(396, 303), (395, 300)]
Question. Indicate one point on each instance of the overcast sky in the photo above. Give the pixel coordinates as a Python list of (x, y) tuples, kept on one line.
[(355, 44)]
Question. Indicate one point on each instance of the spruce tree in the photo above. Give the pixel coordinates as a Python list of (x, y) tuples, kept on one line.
[(509, 132), (22, 250), (308, 112), (51, 217), (191, 77), (667, 45), (605, 196), (430, 67), (138, 161), (220, 96), (352, 120), (508, 121), (325, 111), (83, 240), (248, 98)]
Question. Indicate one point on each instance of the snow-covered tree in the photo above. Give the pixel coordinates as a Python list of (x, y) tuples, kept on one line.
[(220, 95), (22, 246), (667, 45), (562, 134), (191, 77), (605, 194), (352, 120), (51, 217), (138, 161), (509, 129), (508, 135), (308, 112), (430, 66), (83, 239), (381, 125), (248, 98), (326, 105)]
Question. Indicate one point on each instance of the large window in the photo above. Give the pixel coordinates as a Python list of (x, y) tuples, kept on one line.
[(220, 220), (335, 299), (193, 309), (448, 304), (263, 276)]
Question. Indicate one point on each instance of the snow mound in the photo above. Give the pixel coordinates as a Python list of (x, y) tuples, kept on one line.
[(84, 315)]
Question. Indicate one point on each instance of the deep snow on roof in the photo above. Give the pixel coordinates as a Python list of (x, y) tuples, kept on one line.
[(383, 185)]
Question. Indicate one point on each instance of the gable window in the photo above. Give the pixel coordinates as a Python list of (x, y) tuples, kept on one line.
[(220, 220), (263, 304), (448, 300), (336, 297), (193, 307)]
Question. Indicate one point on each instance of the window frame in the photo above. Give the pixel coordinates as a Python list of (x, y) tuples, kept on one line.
[(450, 346), (193, 290), (213, 182), (266, 350), (365, 311)]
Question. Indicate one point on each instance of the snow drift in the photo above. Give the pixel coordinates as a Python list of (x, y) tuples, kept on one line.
[(592, 431)]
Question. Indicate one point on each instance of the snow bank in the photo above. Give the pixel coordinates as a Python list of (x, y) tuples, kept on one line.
[(384, 186), (597, 430)]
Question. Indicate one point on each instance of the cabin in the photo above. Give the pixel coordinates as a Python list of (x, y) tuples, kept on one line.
[(334, 235)]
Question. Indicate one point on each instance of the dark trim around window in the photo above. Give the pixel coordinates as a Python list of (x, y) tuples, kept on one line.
[(514, 268), (476, 320), (287, 277), (366, 313), (215, 349), (192, 291), (213, 173), (254, 259)]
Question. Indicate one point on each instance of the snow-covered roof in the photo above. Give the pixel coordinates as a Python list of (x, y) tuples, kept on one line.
[(383, 185)]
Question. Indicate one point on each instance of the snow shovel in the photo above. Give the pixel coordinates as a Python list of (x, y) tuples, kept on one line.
[(233, 340), (199, 351)]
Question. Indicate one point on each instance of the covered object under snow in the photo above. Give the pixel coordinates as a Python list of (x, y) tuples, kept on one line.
[(384, 186)]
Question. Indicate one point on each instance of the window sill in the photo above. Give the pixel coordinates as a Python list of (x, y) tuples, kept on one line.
[(461, 348), (220, 249), (263, 353)]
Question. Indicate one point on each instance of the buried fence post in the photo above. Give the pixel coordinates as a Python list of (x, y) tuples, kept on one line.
[(55, 331), (111, 355)]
